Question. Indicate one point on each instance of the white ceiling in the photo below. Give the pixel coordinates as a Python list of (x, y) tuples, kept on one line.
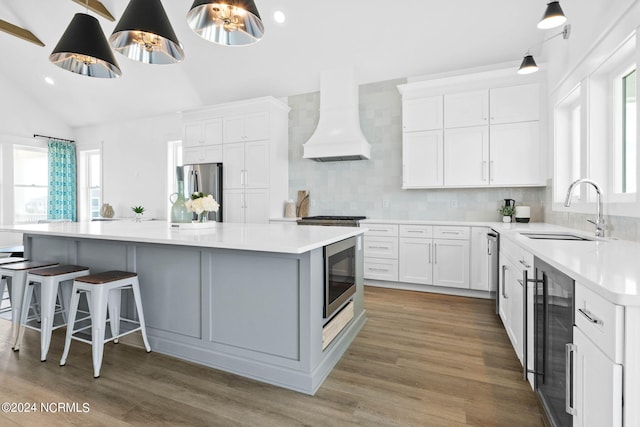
[(381, 39)]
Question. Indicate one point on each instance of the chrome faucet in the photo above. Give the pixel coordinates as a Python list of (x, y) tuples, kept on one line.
[(599, 222)]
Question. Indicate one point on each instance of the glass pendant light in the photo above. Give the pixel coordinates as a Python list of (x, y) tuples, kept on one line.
[(528, 65), (553, 17), (83, 49), (226, 22), (144, 34)]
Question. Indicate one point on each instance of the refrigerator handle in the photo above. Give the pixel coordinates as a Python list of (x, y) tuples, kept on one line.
[(196, 184)]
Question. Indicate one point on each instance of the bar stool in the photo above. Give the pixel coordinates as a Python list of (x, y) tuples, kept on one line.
[(17, 272), (4, 285), (103, 293), (51, 282)]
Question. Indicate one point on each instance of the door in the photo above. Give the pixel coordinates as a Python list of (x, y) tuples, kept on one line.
[(422, 159), (479, 271), (597, 387), (451, 263), (466, 109), (256, 206), (515, 155), (466, 155), (256, 126), (422, 114), (415, 261), (515, 104), (212, 131), (233, 161), (233, 206), (233, 129)]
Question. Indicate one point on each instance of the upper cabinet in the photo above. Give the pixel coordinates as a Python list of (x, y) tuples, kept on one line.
[(203, 132), (247, 127), (488, 135)]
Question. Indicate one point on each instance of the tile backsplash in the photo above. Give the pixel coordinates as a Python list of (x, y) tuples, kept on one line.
[(373, 187)]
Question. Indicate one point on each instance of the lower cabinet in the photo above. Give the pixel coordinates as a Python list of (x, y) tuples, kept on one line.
[(246, 206), (510, 304)]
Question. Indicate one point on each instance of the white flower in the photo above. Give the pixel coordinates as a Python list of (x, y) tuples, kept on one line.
[(202, 204)]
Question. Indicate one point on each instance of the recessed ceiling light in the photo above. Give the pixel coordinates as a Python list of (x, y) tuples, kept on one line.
[(279, 16), (49, 80)]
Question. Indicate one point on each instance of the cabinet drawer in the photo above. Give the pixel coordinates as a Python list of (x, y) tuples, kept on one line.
[(520, 257), (446, 232), (381, 247), (425, 231), (381, 229), (600, 320), (381, 269)]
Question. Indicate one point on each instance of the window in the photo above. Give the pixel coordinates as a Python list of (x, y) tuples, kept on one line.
[(568, 144), (174, 157), (90, 184), (30, 181), (624, 150)]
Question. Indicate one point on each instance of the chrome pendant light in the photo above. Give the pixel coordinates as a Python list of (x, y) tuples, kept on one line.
[(528, 65), (83, 49), (144, 34), (553, 17), (226, 22)]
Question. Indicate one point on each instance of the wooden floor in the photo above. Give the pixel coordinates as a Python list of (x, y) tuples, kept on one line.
[(421, 360)]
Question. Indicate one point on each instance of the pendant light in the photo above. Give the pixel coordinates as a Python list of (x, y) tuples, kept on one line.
[(553, 17), (528, 65), (226, 22), (144, 34)]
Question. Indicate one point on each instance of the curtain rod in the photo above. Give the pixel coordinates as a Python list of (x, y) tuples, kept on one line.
[(35, 135)]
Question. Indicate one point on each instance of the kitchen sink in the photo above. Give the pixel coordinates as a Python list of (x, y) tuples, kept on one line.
[(557, 236)]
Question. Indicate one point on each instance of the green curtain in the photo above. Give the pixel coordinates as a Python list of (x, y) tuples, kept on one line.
[(62, 180)]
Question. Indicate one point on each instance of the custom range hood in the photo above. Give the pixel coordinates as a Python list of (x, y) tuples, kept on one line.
[(338, 135)]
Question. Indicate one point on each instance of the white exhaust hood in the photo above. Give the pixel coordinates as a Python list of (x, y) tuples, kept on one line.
[(338, 135)]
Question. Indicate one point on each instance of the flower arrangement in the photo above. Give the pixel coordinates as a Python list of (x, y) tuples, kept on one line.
[(507, 210), (200, 202)]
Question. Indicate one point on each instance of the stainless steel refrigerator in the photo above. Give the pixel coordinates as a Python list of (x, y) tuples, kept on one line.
[(207, 178)]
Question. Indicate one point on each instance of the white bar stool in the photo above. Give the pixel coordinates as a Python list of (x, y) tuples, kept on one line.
[(51, 282), (5, 286), (16, 274), (104, 290)]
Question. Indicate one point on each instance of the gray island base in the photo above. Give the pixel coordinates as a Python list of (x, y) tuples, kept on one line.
[(219, 297)]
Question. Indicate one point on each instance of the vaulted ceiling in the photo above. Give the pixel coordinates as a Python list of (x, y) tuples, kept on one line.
[(381, 39)]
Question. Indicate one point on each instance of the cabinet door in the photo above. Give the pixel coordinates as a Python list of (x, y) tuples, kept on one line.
[(415, 256), (193, 134), (466, 109), (515, 104), (422, 114), (479, 268), (233, 165), (503, 295), (466, 156), (256, 126), (233, 129), (597, 387), (451, 263), (516, 313), (422, 159), (212, 131), (256, 164), (256, 205), (515, 155), (233, 206), (202, 154)]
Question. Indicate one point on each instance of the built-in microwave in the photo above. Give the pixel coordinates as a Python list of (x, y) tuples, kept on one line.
[(339, 275)]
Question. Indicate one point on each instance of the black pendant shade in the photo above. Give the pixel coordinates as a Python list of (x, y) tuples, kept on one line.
[(83, 49), (144, 34), (226, 22), (553, 16), (528, 65)]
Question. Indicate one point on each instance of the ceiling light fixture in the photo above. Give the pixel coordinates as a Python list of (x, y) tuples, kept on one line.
[(226, 22), (528, 64), (553, 17), (144, 34), (83, 49)]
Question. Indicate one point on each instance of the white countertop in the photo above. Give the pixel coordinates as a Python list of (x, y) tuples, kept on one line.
[(281, 238)]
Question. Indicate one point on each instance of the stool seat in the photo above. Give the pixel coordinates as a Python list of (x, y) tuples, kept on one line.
[(11, 260), (106, 277), (59, 270), (28, 265)]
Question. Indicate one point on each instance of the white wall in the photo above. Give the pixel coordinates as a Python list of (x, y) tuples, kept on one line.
[(134, 162)]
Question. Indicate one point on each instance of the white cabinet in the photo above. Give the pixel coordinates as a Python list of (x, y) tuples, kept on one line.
[(381, 252), (246, 165), (466, 109), (422, 159), (466, 153), (416, 261), (479, 264), (514, 104), (515, 155), (422, 114), (203, 132), (246, 206), (246, 127), (202, 154)]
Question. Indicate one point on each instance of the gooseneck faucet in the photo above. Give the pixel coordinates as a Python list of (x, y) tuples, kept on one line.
[(599, 222)]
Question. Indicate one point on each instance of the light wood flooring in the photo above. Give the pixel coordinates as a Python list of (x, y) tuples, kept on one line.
[(421, 360)]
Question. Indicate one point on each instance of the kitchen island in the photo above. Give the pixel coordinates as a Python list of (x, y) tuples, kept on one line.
[(243, 298)]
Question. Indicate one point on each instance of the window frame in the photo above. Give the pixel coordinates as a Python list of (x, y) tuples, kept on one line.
[(14, 186)]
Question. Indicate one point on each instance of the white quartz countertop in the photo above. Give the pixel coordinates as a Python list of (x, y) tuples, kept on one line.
[(281, 238)]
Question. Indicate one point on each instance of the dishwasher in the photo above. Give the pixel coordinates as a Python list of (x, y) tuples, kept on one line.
[(493, 247)]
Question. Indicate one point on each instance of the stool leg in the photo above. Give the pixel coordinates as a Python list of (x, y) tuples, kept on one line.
[(24, 313), (114, 312), (73, 310), (48, 293), (143, 329), (98, 324)]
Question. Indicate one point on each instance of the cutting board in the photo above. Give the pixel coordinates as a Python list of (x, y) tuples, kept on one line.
[(302, 205)]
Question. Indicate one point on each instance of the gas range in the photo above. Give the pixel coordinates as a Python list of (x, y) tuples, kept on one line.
[(334, 220)]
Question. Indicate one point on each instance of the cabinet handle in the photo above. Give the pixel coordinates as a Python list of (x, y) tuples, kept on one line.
[(504, 288), (378, 247), (435, 253), (429, 253), (415, 231), (450, 232), (241, 176), (385, 270), (524, 263), (570, 364), (590, 317)]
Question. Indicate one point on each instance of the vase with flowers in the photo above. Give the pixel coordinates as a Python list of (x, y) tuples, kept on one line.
[(202, 204)]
